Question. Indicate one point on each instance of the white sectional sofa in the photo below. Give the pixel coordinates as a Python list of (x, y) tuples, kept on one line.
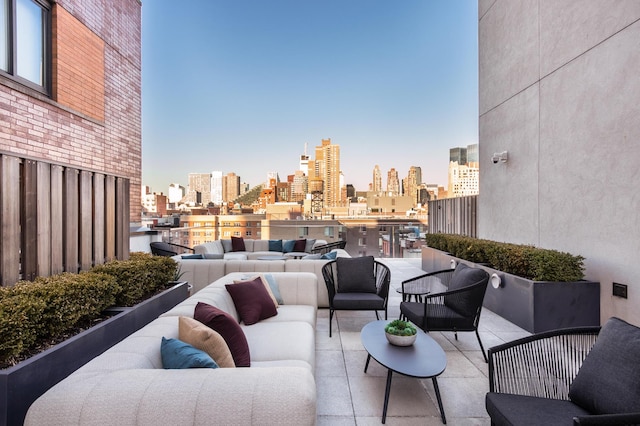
[(128, 385), (253, 248), (201, 272)]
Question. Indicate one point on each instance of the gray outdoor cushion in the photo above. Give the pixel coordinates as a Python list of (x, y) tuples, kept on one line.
[(463, 276), (608, 381), (355, 275), (226, 245), (508, 409), (358, 301)]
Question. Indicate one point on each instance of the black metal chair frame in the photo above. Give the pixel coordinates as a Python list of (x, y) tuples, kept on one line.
[(544, 365), (158, 248), (444, 278), (382, 277), (326, 248)]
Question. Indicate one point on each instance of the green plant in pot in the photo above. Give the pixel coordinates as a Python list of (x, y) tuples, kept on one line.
[(400, 333)]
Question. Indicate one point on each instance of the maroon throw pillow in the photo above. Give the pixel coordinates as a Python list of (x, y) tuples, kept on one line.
[(237, 244), (252, 301), (300, 245), (228, 328)]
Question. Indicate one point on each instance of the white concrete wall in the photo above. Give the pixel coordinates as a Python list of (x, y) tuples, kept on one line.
[(559, 84)]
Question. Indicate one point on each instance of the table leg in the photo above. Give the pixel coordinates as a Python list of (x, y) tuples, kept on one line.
[(367, 364), (437, 389), (386, 396)]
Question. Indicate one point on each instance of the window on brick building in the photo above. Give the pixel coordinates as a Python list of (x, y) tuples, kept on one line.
[(26, 37)]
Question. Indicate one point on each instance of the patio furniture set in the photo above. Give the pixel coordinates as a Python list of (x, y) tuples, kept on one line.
[(584, 376)]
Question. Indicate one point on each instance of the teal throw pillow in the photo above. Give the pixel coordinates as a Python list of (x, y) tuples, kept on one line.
[(177, 354), (331, 255), (273, 285), (288, 245), (192, 256), (275, 245)]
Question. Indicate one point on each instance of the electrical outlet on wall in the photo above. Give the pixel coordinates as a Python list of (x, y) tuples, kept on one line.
[(620, 290)]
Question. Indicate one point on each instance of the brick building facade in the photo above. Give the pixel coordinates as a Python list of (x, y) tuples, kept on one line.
[(70, 135)]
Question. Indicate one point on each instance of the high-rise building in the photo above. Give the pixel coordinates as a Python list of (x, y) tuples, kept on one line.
[(414, 181), (304, 162), (377, 179), (299, 185), (199, 190), (464, 175), (393, 183), (326, 167), (216, 188), (176, 193), (230, 187)]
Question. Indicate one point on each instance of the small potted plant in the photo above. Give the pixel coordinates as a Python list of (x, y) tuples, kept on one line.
[(400, 333)]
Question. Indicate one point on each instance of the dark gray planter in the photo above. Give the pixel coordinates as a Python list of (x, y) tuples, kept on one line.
[(23, 383), (535, 306)]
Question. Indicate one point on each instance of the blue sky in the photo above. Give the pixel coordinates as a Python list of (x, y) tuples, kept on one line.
[(241, 85)]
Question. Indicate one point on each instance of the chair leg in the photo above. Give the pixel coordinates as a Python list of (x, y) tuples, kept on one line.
[(330, 320), (484, 354), (377, 316)]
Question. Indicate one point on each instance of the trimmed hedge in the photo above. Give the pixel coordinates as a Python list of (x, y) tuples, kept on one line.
[(522, 260), (32, 312)]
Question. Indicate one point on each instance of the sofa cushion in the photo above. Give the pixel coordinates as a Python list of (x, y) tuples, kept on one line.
[(237, 244), (275, 290), (299, 246), (332, 255), (213, 255), (355, 275), (275, 245), (228, 328), (201, 337), (309, 243), (287, 245), (177, 354), (609, 379), (509, 409), (226, 245), (252, 301), (264, 282)]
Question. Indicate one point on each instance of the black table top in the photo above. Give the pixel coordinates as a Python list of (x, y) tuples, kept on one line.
[(424, 359)]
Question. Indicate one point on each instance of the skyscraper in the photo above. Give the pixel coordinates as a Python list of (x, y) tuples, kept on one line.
[(414, 180), (199, 191), (464, 173), (393, 183), (230, 187), (377, 179), (326, 167), (216, 188)]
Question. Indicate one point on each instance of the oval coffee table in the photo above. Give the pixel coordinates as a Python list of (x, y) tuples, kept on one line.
[(425, 359)]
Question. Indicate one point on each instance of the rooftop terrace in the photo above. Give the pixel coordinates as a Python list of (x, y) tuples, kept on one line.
[(348, 396)]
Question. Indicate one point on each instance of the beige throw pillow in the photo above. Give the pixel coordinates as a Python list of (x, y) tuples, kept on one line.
[(201, 337)]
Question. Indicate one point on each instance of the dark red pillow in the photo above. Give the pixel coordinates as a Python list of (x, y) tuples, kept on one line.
[(252, 301), (228, 328), (237, 244), (300, 245)]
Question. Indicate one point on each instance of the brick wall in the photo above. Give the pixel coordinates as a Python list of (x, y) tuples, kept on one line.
[(97, 127)]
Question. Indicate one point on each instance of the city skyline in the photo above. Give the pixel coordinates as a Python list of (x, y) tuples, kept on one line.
[(243, 86)]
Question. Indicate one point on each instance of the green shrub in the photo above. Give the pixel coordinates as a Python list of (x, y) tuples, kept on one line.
[(522, 260), (32, 311), (140, 276)]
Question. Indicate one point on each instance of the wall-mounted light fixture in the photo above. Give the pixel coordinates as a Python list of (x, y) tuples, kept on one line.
[(496, 281), (453, 264), (500, 157)]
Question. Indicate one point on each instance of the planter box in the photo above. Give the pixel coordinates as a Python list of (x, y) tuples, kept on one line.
[(23, 383), (535, 306)]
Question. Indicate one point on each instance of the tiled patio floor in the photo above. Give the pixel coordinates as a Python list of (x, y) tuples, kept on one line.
[(348, 396)]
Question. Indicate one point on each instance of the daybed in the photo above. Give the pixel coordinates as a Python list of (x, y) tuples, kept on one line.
[(128, 384), (579, 376)]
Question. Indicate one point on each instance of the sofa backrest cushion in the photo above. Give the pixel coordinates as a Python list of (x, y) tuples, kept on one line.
[(226, 245), (608, 381), (288, 245), (252, 301), (228, 328), (201, 337), (177, 354), (355, 275), (309, 243)]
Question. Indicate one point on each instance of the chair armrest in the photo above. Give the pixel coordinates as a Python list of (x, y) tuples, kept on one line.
[(608, 419), (541, 365), (427, 281)]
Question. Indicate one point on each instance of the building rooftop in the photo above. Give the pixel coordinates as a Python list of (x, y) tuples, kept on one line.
[(348, 396)]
